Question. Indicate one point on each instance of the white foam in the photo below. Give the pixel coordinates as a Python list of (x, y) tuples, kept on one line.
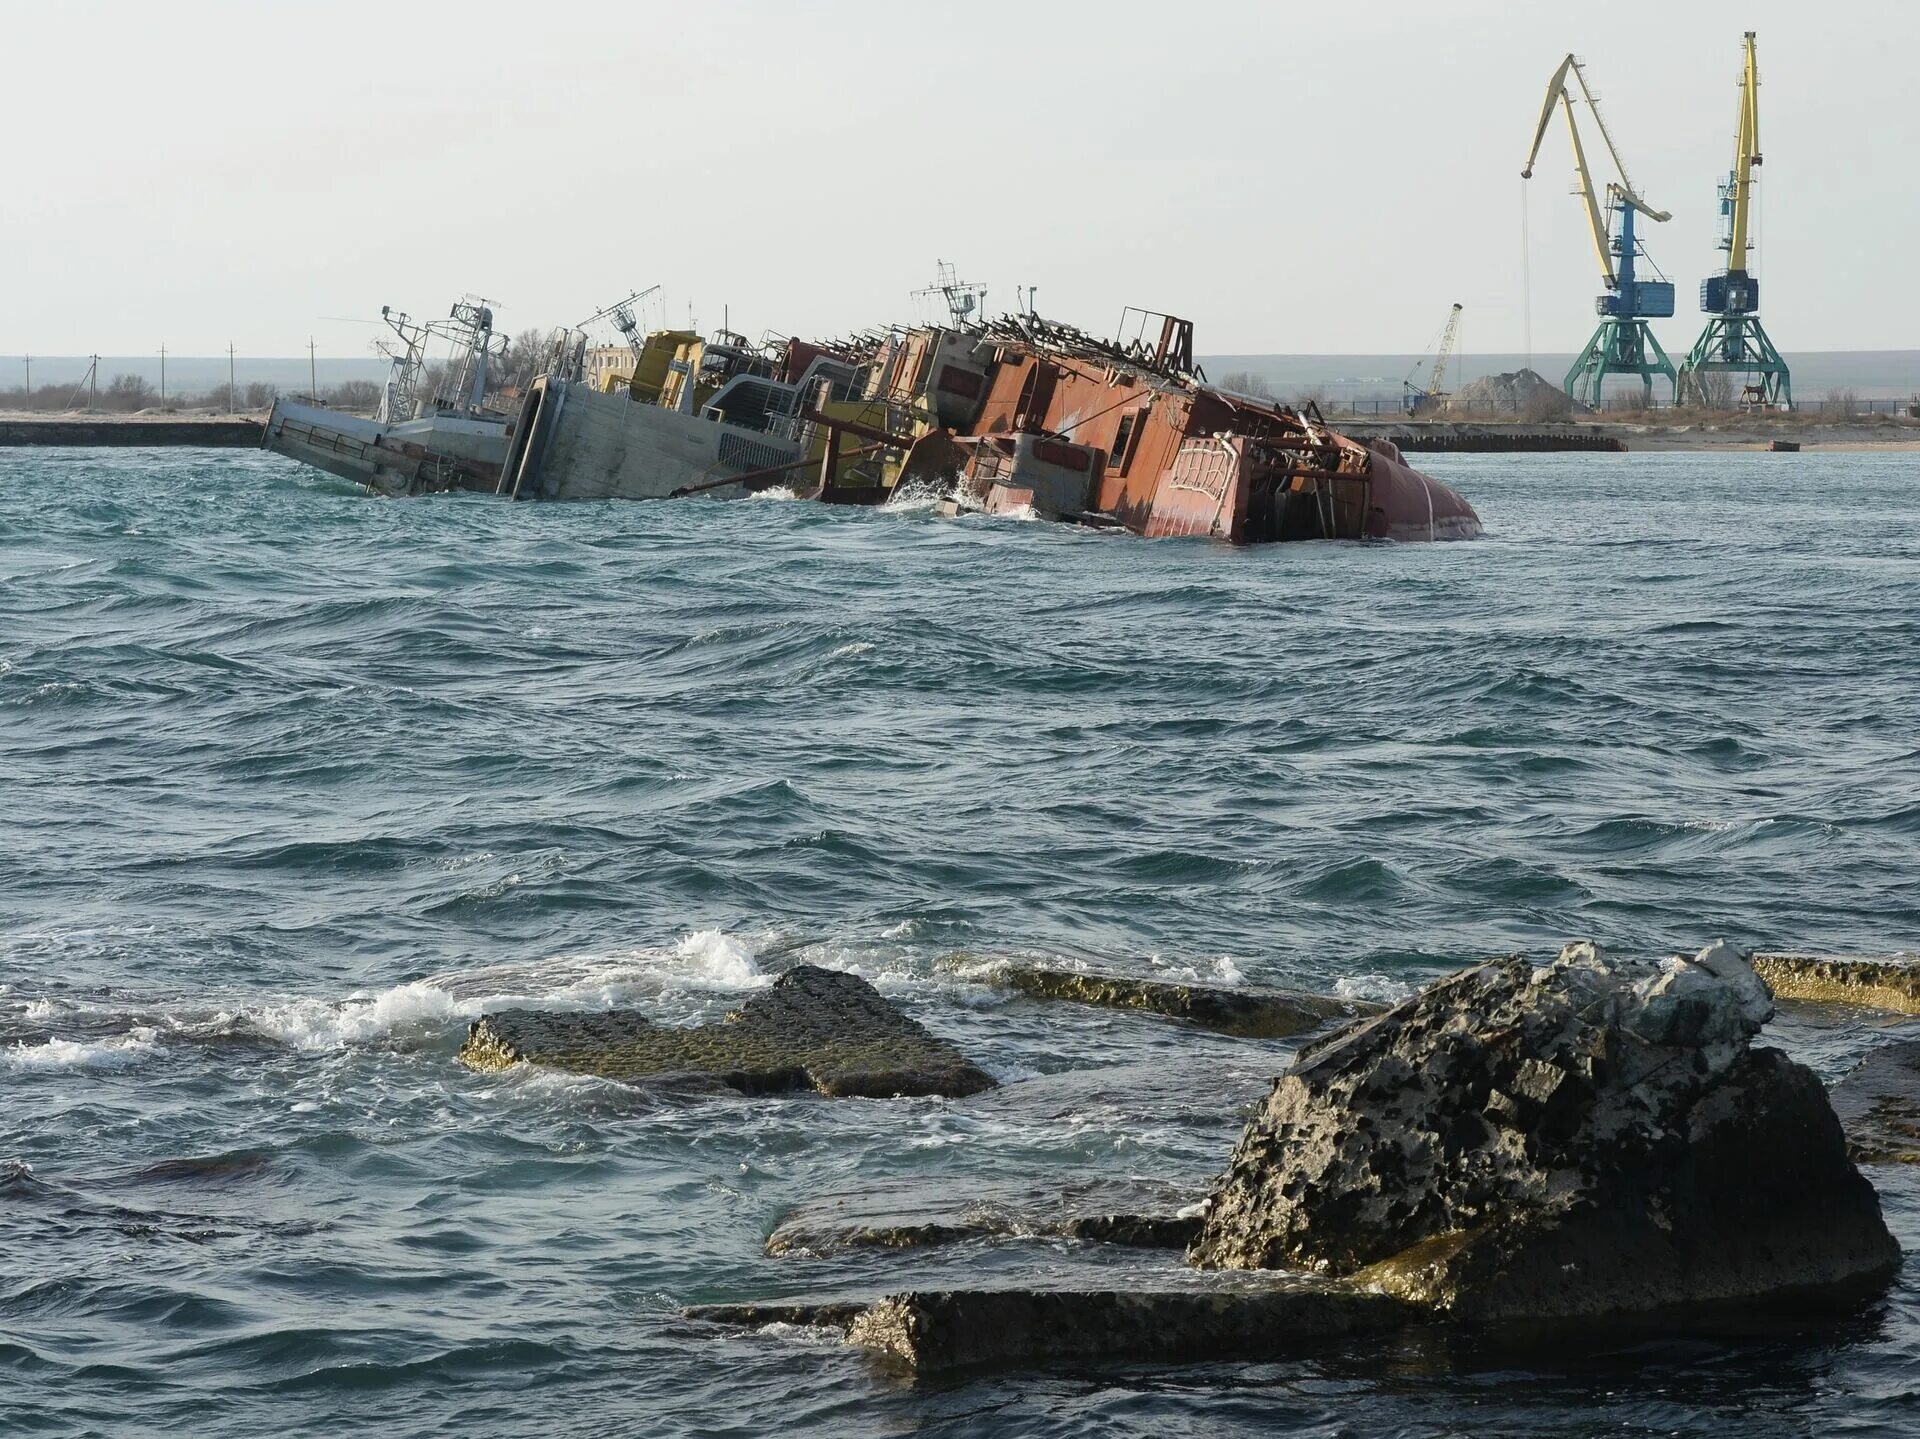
[(777, 492), (721, 960), (1378, 988), (323, 1024), (856, 647), (116, 1053)]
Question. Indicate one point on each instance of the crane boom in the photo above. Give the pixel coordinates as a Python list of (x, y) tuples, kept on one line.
[(1745, 157), (1624, 343), (1561, 93), (1437, 378)]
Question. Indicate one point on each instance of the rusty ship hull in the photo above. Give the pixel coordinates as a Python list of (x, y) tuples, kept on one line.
[(1046, 419)]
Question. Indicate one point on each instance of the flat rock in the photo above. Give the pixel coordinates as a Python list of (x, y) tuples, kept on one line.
[(930, 1330), (1876, 981), (905, 1215), (813, 1028), (1593, 1138), (1879, 1105), (1244, 1013), (810, 1313)]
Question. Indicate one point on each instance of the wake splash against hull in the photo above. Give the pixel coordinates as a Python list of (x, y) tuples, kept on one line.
[(1018, 415)]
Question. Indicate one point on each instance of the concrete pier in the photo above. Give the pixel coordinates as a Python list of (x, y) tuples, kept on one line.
[(131, 431)]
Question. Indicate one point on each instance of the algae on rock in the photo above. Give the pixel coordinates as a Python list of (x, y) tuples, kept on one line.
[(1244, 1013), (813, 1029), (1890, 982)]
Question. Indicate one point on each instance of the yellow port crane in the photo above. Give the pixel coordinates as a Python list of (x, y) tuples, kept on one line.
[(1435, 393), (1733, 341), (1624, 342)]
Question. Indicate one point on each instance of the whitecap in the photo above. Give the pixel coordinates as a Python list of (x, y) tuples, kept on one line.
[(721, 959), (855, 647), (323, 1024), (776, 492), (116, 1053)]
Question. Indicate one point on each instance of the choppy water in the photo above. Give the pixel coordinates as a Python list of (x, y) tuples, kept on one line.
[(273, 756)]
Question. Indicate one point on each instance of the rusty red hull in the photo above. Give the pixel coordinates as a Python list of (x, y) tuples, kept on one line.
[(1073, 429)]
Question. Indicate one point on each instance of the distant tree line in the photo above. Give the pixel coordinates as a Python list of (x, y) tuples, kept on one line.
[(520, 361), (128, 394)]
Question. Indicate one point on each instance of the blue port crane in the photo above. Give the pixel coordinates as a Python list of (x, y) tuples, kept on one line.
[(1733, 341), (1624, 343)]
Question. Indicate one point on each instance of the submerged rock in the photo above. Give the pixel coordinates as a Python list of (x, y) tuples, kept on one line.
[(812, 1029), (1592, 1138), (1245, 1013), (956, 1328), (912, 1215), (1889, 982), (1879, 1105)]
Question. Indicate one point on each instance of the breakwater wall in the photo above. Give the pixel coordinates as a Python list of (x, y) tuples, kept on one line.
[(221, 434), (1485, 439)]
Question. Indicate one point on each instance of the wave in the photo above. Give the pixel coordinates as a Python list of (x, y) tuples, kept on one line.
[(120, 1052)]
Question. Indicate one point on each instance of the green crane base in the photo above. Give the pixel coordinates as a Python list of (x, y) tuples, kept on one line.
[(1735, 345), (1618, 347)]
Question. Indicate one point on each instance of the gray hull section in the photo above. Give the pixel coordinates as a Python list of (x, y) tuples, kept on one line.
[(577, 443), (437, 453)]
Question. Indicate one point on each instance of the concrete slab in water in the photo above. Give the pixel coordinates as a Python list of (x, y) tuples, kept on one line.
[(1879, 1106), (1244, 1013), (917, 1214), (938, 1329), (1877, 981), (813, 1029)]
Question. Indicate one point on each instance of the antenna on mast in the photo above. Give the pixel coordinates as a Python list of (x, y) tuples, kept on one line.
[(964, 299)]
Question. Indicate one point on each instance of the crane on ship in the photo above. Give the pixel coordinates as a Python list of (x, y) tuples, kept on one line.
[(1624, 343), (1734, 341), (1435, 394)]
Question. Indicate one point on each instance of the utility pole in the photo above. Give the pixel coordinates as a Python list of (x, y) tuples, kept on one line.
[(93, 384), (233, 395), (163, 374), (313, 383)]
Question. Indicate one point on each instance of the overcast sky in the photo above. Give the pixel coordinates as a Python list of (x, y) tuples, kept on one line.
[(1322, 177)]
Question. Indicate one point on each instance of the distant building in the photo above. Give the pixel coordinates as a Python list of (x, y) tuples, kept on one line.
[(605, 361)]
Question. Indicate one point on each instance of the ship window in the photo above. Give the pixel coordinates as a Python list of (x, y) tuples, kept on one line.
[(1117, 457)]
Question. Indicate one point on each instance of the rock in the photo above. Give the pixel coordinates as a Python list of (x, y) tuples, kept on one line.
[(1889, 982), (812, 1029), (1137, 1214), (1592, 1138), (1879, 1105), (813, 1313), (957, 1328), (1245, 1013)]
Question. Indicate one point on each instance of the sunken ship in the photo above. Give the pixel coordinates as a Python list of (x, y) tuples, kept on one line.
[(1013, 415)]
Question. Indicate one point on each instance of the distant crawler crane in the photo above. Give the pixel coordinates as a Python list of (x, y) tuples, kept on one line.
[(1435, 394), (1733, 341), (1624, 343)]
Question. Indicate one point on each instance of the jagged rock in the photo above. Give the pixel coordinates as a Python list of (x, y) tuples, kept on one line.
[(957, 1328), (1244, 1013), (812, 1029), (1891, 982), (1879, 1105), (905, 1215), (1592, 1138)]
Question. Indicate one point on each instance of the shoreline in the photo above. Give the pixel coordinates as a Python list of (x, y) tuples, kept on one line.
[(1638, 436), (79, 429)]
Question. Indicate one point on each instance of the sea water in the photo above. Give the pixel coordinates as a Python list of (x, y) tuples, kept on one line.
[(295, 783)]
